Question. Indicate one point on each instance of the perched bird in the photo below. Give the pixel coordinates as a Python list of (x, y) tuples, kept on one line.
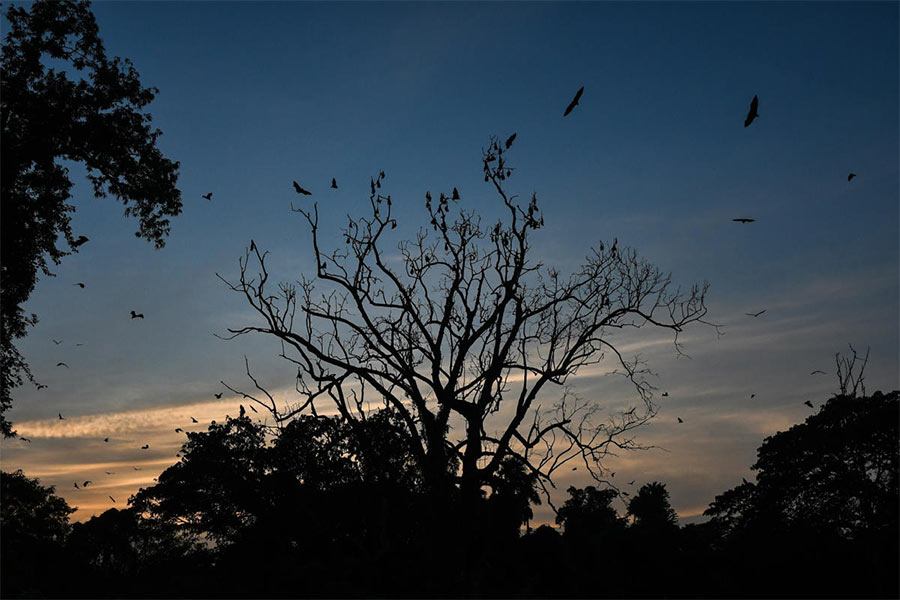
[(219, 395), (509, 140), (809, 404), (334, 183), (665, 394), (179, 430), (300, 190), (252, 246), (113, 499), (76, 485), (62, 364), (455, 194), (207, 196), (87, 483), (61, 418), (105, 439), (193, 420), (752, 114), (818, 371), (81, 239), (243, 412), (755, 314), (744, 220), (57, 342), (851, 176), (680, 420), (145, 447), (79, 284), (135, 315), (574, 101)]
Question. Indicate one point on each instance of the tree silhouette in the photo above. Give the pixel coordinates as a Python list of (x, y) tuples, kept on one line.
[(651, 509), (97, 120), (464, 327)]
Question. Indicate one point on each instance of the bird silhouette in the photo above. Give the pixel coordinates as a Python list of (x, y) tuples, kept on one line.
[(79, 284), (81, 239), (145, 447), (243, 412), (219, 395), (76, 485), (300, 190), (752, 396), (41, 386), (135, 468), (509, 140), (79, 345), (755, 314), (665, 394), (24, 439), (809, 404), (57, 342), (61, 418), (193, 420), (110, 472), (744, 220), (631, 482), (574, 101), (106, 439), (253, 409), (87, 483), (752, 114), (851, 176), (252, 246), (625, 494), (62, 364), (179, 430), (744, 479), (455, 194), (113, 499), (818, 371), (135, 315), (207, 196), (334, 183), (680, 420)]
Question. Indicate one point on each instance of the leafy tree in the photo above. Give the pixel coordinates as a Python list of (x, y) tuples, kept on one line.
[(588, 513), (34, 522), (465, 326), (651, 509), (97, 119)]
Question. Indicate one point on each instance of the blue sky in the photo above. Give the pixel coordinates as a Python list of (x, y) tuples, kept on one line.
[(255, 95)]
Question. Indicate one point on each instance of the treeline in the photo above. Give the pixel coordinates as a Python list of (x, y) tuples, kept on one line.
[(327, 508)]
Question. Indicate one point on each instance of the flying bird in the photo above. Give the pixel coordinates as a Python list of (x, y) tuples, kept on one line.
[(680, 420), (79, 284), (574, 101), (145, 447), (61, 418), (87, 483), (752, 396), (79, 345), (193, 420), (105, 439), (62, 364), (219, 395), (253, 409), (809, 404), (179, 430), (755, 314), (41, 386), (625, 494), (135, 315), (851, 176), (744, 479), (135, 468), (744, 220), (631, 482), (110, 472), (113, 499), (24, 439), (76, 485), (754, 104), (818, 371), (207, 196), (665, 394), (334, 183), (509, 140), (300, 190), (81, 239), (57, 342)]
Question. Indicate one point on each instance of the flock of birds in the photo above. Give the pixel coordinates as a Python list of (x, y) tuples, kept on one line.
[(752, 115)]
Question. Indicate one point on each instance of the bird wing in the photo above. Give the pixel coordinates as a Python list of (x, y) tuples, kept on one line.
[(574, 101)]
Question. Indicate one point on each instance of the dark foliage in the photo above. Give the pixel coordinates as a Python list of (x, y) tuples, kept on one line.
[(86, 109)]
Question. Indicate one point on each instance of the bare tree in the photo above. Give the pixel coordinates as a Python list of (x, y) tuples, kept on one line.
[(849, 381), (464, 328)]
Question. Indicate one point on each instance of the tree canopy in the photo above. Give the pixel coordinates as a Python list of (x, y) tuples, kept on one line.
[(85, 108)]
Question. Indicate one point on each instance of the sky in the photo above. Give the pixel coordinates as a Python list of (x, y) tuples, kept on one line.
[(255, 95)]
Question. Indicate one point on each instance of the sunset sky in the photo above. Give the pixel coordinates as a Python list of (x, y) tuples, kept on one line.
[(255, 95)]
